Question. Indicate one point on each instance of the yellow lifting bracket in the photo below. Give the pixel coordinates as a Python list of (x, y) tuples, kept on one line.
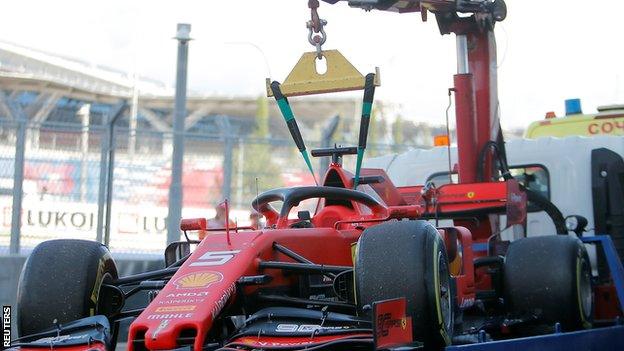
[(304, 79)]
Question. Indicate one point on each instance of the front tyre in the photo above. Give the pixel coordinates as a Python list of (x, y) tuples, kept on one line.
[(61, 281), (408, 259)]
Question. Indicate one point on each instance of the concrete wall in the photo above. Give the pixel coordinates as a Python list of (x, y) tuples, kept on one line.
[(11, 266)]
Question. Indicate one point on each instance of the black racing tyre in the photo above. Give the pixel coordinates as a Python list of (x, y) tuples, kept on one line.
[(408, 259), (549, 277), (61, 280)]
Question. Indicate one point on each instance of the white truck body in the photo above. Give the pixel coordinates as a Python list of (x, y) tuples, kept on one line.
[(567, 161)]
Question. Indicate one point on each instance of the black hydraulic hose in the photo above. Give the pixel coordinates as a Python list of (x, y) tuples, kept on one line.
[(551, 210), (502, 163), (502, 151)]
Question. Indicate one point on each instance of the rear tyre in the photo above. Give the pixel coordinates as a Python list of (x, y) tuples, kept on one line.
[(408, 259), (61, 280), (549, 277)]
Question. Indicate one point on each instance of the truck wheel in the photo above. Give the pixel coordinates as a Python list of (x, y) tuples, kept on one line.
[(61, 280), (408, 259), (549, 277)]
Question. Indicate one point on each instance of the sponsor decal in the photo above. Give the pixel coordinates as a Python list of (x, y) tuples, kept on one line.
[(175, 308), (223, 300), (260, 343), (52, 218), (62, 338), (386, 322), (292, 328), (180, 301), (470, 194), (188, 294), (198, 280), (296, 343), (214, 258), (163, 324), (169, 316), (304, 328), (391, 326), (6, 326), (45, 218)]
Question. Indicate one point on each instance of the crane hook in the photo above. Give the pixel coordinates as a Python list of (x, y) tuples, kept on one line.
[(316, 25)]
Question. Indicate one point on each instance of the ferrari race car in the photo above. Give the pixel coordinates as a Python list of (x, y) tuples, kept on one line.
[(366, 271)]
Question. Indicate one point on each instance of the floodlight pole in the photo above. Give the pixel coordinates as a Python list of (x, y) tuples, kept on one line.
[(175, 188)]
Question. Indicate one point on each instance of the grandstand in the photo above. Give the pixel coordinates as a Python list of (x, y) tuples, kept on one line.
[(51, 89)]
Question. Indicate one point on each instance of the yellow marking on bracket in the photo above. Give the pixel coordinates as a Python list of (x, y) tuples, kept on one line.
[(340, 76)]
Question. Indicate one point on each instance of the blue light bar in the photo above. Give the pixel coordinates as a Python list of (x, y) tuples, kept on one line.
[(573, 107)]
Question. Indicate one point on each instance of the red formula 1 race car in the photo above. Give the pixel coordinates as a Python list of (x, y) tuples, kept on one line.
[(364, 272)]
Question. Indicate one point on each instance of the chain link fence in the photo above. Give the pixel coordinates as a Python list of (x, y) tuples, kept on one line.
[(61, 173), (8, 132), (63, 167)]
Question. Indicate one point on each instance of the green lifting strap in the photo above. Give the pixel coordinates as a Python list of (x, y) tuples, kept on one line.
[(291, 123), (367, 107)]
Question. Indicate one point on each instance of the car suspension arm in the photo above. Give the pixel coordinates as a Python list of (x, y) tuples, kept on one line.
[(295, 256), (308, 268), (301, 301), (137, 278)]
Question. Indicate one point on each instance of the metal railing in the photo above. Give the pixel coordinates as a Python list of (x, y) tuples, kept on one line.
[(64, 168)]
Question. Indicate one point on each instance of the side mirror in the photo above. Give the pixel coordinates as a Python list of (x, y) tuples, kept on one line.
[(576, 223), (499, 10), (176, 251)]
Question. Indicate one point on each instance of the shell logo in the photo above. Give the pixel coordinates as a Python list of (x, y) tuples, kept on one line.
[(198, 280)]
